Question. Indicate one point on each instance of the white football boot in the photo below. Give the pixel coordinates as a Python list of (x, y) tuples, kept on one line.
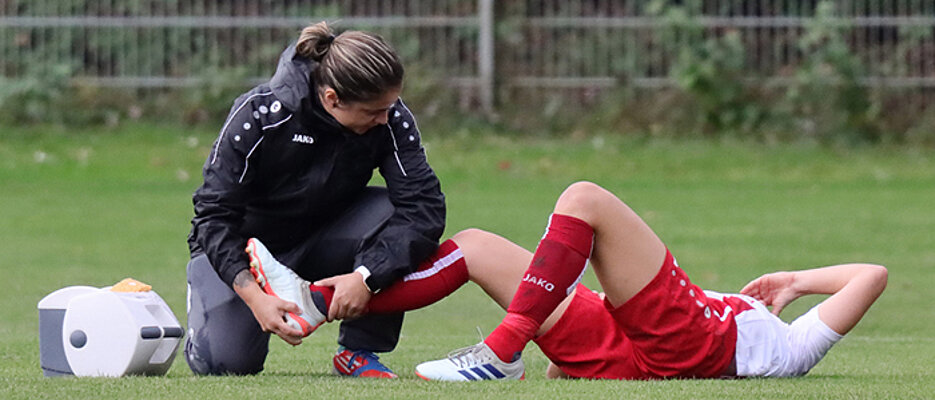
[(279, 280), (474, 363)]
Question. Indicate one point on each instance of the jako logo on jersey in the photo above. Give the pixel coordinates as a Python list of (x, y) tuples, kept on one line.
[(300, 138), (548, 286)]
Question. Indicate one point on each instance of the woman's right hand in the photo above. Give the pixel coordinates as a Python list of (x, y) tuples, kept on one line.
[(268, 310)]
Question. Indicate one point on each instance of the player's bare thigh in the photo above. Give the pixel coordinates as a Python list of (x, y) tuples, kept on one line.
[(627, 253), (497, 266), (494, 263)]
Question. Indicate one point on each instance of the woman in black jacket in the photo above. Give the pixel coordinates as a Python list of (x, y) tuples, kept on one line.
[(290, 167)]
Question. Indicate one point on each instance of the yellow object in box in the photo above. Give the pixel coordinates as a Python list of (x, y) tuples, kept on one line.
[(130, 285)]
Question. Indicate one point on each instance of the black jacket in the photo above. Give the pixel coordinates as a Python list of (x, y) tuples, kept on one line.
[(282, 166)]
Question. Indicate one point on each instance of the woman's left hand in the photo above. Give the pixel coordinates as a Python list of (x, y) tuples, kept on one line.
[(351, 296)]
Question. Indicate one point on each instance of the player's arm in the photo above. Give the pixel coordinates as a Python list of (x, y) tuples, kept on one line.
[(853, 289), (412, 232)]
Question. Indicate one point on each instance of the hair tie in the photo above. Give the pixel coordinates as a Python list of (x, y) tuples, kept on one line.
[(326, 41)]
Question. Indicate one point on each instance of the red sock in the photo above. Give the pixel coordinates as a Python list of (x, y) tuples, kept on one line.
[(438, 276), (556, 268), (510, 337), (321, 296)]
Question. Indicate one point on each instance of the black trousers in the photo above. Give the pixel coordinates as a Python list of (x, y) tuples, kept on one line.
[(224, 337)]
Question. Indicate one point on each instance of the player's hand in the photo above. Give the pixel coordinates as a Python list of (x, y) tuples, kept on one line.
[(776, 289), (351, 296)]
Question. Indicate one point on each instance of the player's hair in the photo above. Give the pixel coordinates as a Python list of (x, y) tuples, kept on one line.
[(359, 66)]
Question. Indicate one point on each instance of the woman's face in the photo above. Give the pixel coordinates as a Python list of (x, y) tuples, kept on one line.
[(359, 116)]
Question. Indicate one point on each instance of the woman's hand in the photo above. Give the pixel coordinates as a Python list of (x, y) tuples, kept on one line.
[(776, 289), (351, 296), (268, 310)]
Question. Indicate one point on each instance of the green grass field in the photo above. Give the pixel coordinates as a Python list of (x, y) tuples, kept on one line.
[(90, 208)]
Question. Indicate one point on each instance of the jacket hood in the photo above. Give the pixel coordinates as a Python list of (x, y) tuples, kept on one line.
[(291, 82)]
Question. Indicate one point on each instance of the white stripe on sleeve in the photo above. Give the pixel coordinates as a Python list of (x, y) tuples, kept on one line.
[(246, 161), (217, 146)]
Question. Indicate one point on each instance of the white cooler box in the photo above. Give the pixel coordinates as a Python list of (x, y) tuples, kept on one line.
[(87, 331)]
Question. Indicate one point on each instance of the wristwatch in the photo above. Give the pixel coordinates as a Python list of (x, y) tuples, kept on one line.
[(365, 272)]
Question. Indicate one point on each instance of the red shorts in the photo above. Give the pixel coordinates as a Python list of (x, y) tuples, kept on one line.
[(669, 329)]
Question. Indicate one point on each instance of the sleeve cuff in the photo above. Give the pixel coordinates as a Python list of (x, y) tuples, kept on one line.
[(365, 273)]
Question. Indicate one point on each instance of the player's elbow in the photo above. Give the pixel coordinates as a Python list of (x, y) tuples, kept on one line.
[(879, 275), (875, 277)]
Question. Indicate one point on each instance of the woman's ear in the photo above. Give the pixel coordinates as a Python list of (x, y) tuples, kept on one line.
[(331, 97)]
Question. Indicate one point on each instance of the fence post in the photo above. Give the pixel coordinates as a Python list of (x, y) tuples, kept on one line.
[(485, 57)]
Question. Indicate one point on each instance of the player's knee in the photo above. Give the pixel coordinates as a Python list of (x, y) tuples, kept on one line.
[(580, 199)]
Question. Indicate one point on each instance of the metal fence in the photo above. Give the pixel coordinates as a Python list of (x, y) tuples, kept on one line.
[(892, 38), (481, 46)]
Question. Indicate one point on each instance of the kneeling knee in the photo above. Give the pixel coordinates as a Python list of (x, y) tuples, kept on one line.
[(203, 362)]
